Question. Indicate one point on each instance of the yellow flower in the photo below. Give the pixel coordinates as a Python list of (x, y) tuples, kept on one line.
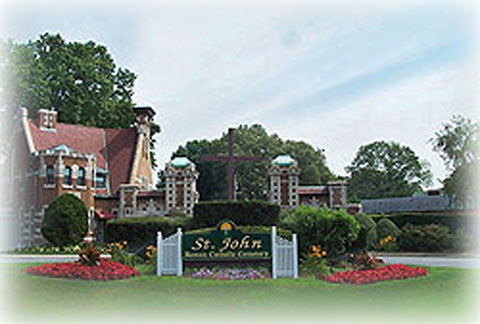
[(124, 242), (324, 253), (315, 248)]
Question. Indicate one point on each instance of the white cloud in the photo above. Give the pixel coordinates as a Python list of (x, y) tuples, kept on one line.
[(409, 113)]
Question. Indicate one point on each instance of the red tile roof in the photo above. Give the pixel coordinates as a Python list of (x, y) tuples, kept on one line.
[(120, 151), (79, 138)]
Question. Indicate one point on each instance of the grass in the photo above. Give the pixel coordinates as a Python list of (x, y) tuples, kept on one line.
[(446, 294)]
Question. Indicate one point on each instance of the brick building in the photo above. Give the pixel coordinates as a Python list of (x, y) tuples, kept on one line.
[(108, 169)]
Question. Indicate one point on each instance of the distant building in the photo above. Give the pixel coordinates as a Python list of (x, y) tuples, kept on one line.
[(430, 203), (286, 192)]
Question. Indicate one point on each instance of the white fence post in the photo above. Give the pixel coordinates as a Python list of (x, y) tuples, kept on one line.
[(274, 252), (295, 255), (159, 254), (179, 253)]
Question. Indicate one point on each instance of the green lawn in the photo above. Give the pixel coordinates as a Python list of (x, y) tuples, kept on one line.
[(445, 295)]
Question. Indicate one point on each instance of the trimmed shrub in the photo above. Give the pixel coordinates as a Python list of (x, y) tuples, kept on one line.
[(285, 233), (142, 230), (210, 213), (385, 228), (424, 238), (372, 238), (333, 230), (452, 221), (367, 225), (65, 221)]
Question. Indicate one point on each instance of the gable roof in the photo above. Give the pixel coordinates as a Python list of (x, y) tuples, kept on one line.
[(121, 145), (114, 149)]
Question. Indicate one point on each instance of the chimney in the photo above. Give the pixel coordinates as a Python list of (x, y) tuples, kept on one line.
[(47, 119), (143, 117)]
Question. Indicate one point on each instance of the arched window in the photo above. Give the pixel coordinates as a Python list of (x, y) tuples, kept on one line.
[(81, 177), (50, 175), (67, 176), (100, 181)]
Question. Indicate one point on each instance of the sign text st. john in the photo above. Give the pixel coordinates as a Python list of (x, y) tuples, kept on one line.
[(226, 245)]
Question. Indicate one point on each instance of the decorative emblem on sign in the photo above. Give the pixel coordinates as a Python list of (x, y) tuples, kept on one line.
[(226, 226)]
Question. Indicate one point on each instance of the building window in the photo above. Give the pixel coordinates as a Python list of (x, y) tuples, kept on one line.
[(67, 176), (50, 175), (100, 181), (81, 177)]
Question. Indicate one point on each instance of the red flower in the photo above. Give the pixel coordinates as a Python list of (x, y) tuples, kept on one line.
[(390, 272), (106, 270)]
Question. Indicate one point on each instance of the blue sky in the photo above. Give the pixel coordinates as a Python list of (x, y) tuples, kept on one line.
[(335, 76)]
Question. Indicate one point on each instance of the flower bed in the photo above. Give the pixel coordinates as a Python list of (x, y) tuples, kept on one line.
[(390, 272), (106, 270), (228, 274)]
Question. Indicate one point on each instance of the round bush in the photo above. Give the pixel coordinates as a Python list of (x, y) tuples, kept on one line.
[(372, 238), (333, 230), (385, 227), (366, 233), (65, 221)]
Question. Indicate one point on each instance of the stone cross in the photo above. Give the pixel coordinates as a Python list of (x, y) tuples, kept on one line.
[(230, 159)]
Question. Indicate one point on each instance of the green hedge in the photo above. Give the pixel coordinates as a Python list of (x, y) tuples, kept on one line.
[(453, 222), (210, 213), (285, 233), (424, 238), (143, 230)]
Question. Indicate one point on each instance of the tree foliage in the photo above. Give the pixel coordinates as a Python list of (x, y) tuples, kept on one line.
[(65, 221), (386, 169), (457, 144), (251, 177), (79, 80)]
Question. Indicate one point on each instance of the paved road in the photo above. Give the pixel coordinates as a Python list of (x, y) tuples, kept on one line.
[(439, 261), (6, 258), (435, 261)]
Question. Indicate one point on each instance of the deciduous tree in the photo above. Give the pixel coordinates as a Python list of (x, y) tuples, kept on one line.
[(252, 178), (80, 80), (457, 144), (386, 169)]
